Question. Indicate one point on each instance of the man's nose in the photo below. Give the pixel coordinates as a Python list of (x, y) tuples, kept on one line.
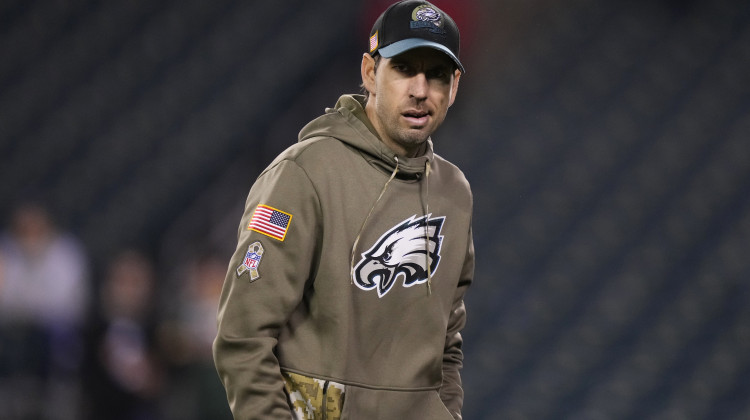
[(418, 87)]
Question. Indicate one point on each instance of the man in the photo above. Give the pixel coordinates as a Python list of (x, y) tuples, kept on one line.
[(344, 298)]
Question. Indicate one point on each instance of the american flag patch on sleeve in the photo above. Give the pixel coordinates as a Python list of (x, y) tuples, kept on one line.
[(270, 222)]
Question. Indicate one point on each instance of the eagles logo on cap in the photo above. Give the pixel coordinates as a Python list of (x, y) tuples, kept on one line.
[(426, 16)]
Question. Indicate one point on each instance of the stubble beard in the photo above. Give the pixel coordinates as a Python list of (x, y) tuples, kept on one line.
[(408, 138)]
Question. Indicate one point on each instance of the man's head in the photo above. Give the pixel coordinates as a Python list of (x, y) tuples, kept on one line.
[(410, 24), (414, 81)]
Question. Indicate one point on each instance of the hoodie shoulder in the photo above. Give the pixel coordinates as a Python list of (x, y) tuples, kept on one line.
[(451, 175), (313, 149)]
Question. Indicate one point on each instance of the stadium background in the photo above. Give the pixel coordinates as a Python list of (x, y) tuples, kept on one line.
[(607, 143)]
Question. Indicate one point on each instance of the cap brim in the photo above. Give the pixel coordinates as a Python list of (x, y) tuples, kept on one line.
[(405, 45)]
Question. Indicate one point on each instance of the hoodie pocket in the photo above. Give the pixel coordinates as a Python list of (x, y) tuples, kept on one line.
[(313, 398), (372, 404)]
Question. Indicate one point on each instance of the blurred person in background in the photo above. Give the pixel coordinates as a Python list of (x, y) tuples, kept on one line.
[(186, 334), (124, 375), (44, 297)]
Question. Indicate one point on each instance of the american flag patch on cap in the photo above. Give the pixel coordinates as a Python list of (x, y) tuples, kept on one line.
[(270, 222), (374, 42)]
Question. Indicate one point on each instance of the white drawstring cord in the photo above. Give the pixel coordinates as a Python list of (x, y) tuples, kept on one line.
[(362, 228), (427, 226)]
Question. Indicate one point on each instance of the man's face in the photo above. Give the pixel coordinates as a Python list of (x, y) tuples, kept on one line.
[(409, 96)]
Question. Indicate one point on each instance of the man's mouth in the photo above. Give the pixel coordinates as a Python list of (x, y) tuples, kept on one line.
[(416, 118)]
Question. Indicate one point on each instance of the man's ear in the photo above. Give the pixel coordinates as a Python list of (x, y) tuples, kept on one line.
[(368, 72), (454, 88)]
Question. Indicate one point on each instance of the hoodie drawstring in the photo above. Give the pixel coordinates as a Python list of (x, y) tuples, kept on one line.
[(427, 225), (361, 229)]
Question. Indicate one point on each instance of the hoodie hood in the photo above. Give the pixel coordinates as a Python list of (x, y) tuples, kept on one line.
[(348, 123)]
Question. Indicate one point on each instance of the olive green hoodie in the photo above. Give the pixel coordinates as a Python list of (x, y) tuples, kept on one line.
[(349, 275)]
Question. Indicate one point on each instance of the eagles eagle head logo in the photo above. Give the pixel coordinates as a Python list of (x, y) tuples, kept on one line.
[(427, 14), (404, 253)]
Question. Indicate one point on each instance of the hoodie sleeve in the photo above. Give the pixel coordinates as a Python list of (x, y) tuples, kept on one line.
[(451, 392), (252, 311)]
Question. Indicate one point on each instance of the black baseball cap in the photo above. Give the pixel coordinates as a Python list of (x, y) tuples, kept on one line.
[(412, 24)]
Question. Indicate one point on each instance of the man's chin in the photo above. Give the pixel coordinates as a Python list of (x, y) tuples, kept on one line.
[(414, 139)]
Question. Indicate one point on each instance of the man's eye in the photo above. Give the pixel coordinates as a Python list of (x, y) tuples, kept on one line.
[(439, 74)]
